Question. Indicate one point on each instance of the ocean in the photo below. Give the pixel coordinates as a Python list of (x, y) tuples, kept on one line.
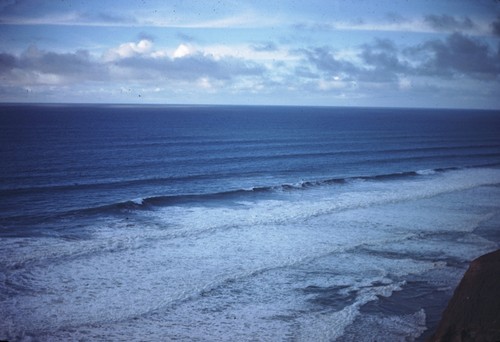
[(239, 223)]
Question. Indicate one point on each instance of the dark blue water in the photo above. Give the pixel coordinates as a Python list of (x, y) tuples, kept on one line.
[(236, 198), (63, 158)]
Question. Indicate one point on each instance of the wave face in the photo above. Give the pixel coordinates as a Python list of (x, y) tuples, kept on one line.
[(239, 223)]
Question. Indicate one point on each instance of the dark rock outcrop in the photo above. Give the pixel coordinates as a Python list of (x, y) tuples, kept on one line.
[(473, 313)]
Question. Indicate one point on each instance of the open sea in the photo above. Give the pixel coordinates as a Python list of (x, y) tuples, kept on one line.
[(240, 223)]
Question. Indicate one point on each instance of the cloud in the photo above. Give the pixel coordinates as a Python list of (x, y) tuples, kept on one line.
[(103, 18), (130, 62), (237, 19), (394, 22), (189, 67), (7, 62), (324, 60), (182, 51), (173, 14), (186, 37), (128, 50), (378, 62), (495, 27), (146, 36), (265, 47), (35, 66), (383, 62), (383, 66), (448, 23), (305, 72), (379, 67), (458, 55), (391, 23), (32, 12), (39, 75)]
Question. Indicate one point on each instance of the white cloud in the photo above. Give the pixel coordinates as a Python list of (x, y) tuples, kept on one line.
[(208, 85), (405, 26), (182, 51), (48, 79), (333, 83), (129, 49), (405, 83), (159, 54)]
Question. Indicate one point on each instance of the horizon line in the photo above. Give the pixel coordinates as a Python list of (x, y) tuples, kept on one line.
[(136, 104)]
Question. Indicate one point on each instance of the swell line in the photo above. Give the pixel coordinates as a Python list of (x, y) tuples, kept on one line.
[(150, 203), (111, 184), (169, 200)]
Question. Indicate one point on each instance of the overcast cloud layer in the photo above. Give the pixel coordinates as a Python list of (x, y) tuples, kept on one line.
[(360, 53)]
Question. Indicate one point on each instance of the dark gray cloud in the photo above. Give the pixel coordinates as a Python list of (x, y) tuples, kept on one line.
[(74, 65), (448, 23), (383, 61), (7, 62), (67, 67), (456, 56), (495, 27), (324, 60), (380, 63)]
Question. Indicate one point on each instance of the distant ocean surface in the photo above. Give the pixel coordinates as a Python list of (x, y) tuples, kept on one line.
[(239, 223)]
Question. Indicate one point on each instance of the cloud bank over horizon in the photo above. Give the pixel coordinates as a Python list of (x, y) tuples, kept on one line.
[(404, 54)]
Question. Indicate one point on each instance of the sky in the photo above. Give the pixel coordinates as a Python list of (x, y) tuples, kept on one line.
[(384, 53)]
